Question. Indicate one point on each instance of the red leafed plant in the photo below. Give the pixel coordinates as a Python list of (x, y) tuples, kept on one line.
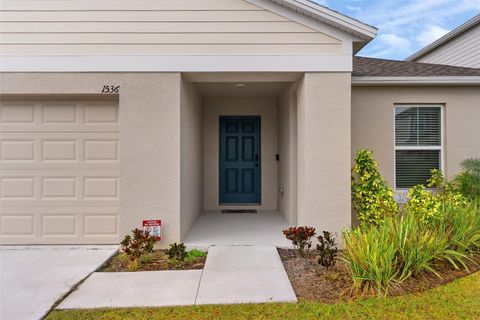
[(301, 238), (141, 243)]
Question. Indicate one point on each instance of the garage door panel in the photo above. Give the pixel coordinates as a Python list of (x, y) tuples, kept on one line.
[(73, 166), (59, 115), (49, 150), (56, 203), (95, 113), (65, 224), (59, 150), (61, 166), (59, 225), (17, 187), (15, 224), (97, 127), (66, 187), (14, 113), (101, 225), (59, 162), (17, 150), (101, 150)]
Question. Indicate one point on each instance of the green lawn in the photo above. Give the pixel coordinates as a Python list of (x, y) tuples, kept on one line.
[(457, 300)]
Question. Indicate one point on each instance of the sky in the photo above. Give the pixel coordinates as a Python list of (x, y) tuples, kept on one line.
[(405, 26)]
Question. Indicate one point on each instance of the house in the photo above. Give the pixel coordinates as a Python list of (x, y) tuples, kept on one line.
[(115, 112), (460, 47)]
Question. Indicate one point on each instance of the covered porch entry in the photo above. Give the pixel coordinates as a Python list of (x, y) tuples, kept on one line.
[(275, 146), (238, 143)]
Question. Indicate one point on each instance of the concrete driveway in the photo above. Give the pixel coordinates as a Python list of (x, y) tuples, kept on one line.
[(33, 278)]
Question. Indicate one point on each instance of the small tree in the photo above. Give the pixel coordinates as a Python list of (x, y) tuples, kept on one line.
[(372, 199)]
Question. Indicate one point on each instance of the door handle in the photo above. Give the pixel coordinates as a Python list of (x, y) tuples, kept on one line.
[(256, 157)]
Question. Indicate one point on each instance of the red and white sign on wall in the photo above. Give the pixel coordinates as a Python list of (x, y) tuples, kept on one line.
[(153, 227)]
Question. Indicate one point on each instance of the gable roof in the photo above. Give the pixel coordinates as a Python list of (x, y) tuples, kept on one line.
[(452, 34), (328, 16)]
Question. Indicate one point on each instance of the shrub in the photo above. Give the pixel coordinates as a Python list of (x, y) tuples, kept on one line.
[(372, 199), (141, 243), (447, 192), (469, 185), (437, 226), (176, 251), (468, 180), (422, 204), (418, 247), (462, 226), (301, 238), (471, 166), (327, 250), (195, 254), (371, 257), (380, 258)]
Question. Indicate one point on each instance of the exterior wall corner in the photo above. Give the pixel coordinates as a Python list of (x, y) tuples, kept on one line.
[(324, 126)]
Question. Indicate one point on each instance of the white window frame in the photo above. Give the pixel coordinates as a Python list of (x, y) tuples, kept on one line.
[(401, 192)]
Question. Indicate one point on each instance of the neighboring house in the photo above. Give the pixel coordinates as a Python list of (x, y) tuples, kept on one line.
[(114, 112), (460, 47)]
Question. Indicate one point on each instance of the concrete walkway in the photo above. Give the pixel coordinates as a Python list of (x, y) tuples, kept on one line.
[(232, 274), (34, 278), (248, 229), (244, 275)]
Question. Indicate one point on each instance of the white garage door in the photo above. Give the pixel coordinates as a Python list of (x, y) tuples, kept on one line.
[(59, 171)]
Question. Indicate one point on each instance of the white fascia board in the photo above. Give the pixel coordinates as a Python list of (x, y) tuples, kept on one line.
[(386, 81), (328, 16), (178, 63)]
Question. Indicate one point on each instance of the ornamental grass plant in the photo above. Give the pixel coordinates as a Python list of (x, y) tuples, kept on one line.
[(389, 247), (380, 258)]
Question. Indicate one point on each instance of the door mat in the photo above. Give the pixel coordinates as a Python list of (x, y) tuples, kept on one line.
[(240, 211)]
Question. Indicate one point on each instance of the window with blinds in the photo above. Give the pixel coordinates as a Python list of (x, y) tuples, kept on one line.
[(418, 144)]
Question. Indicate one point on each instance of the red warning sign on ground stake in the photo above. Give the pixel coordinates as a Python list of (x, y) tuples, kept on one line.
[(153, 227)]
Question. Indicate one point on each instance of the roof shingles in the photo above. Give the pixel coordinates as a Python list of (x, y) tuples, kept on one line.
[(371, 67)]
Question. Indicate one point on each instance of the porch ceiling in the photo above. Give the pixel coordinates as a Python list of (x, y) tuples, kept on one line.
[(241, 89)]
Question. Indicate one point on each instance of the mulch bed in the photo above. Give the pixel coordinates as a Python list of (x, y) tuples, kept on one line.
[(447, 272), (312, 282), (152, 262)]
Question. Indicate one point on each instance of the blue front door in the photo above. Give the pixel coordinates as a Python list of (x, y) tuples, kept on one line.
[(240, 160)]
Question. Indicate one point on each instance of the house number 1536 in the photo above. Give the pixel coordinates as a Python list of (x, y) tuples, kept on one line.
[(110, 89)]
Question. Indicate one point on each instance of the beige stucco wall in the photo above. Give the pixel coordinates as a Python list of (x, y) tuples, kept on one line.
[(267, 110), (373, 122), (323, 118), (287, 149), (149, 117), (191, 175)]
